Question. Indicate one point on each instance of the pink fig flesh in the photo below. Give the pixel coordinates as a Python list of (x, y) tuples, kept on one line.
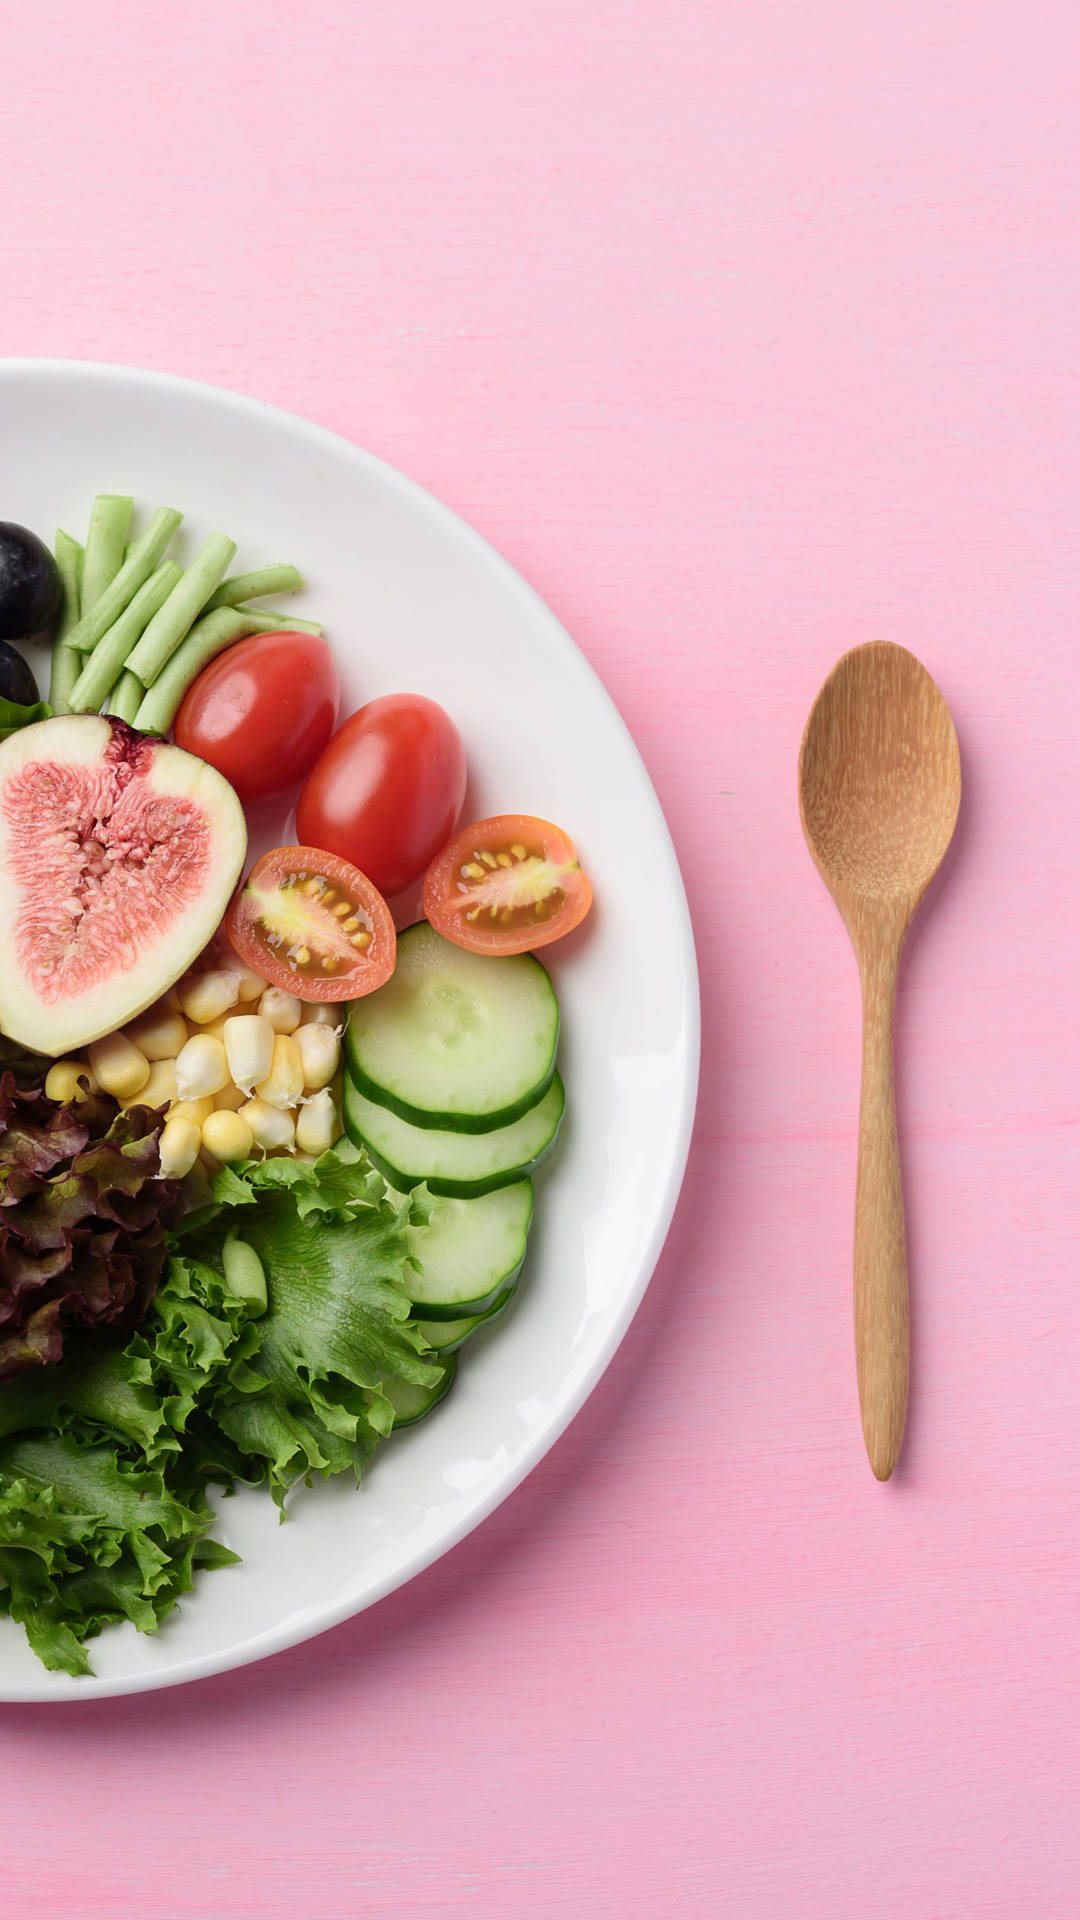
[(118, 854)]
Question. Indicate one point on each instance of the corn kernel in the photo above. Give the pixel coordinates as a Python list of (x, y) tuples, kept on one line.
[(320, 1050), (227, 1136), (320, 1013), (160, 1088), (178, 1147), (194, 1110), (245, 1275), (159, 1033), (271, 1127), (203, 996), (250, 985), (119, 1065), (281, 1009), (62, 1081), (249, 1048), (230, 1099), (317, 1123), (215, 1028), (201, 1067), (284, 1083)]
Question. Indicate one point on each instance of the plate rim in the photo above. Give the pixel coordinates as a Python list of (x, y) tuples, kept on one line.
[(61, 1690)]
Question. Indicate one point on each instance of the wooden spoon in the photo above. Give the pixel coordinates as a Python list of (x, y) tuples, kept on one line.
[(879, 790)]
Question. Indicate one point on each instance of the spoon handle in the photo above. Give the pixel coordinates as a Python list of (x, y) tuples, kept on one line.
[(881, 1284)]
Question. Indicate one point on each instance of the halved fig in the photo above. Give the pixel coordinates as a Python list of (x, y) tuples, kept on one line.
[(118, 854)]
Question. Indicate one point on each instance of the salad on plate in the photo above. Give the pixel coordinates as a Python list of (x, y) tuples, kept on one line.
[(266, 1157)]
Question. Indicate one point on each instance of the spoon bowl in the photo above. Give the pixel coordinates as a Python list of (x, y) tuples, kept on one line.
[(879, 792), (879, 776)]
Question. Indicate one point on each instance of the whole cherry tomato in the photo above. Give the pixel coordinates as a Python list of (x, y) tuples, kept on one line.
[(388, 790), (263, 711)]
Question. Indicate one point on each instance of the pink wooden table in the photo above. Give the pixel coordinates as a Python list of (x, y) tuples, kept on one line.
[(748, 332)]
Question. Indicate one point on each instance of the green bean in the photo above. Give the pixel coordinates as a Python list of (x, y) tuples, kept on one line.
[(136, 570), (274, 622), (253, 586), (183, 606), (69, 563), (245, 1275), (208, 637), (107, 662), (126, 697), (64, 665), (109, 521)]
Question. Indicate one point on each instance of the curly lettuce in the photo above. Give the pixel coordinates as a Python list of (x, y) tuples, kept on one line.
[(310, 1400), (87, 1537), (106, 1457), (83, 1219)]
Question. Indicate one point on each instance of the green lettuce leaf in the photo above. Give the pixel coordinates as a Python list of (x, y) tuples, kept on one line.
[(105, 1457), (87, 1538), (310, 1399), (14, 715)]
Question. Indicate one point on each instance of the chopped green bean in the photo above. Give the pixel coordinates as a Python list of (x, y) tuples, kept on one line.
[(65, 666), (69, 563), (110, 518), (245, 1275), (272, 622), (126, 697), (183, 606), (144, 557), (208, 637), (253, 586), (106, 663)]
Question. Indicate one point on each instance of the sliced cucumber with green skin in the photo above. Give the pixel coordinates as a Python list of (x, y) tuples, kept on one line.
[(411, 1403), (470, 1252), (458, 1164), (455, 1040), (446, 1336)]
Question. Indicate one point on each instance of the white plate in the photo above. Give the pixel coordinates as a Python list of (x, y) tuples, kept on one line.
[(412, 600)]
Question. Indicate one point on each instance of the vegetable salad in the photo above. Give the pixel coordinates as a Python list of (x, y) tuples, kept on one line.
[(279, 1170)]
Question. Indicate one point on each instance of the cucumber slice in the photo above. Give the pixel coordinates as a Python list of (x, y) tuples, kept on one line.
[(456, 1040), (458, 1164), (470, 1251), (411, 1403), (446, 1336)]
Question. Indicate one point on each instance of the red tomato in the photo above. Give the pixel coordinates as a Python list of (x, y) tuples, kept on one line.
[(263, 711), (388, 790), (312, 924), (506, 886)]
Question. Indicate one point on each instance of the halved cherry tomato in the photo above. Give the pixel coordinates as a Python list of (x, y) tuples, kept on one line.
[(506, 885), (263, 711), (388, 790), (313, 924)]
